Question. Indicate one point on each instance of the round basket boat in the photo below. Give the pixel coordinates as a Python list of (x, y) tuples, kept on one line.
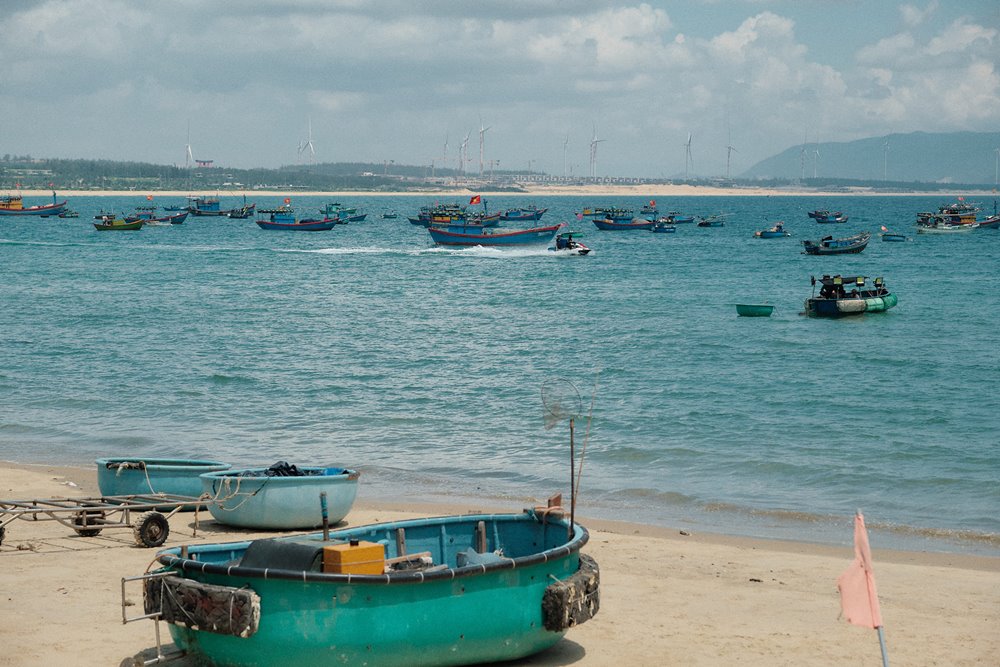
[(250, 498), (754, 309), (144, 476)]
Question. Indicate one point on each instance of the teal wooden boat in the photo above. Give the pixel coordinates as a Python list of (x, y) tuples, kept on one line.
[(453, 590), (144, 476), (253, 498), (754, 309)]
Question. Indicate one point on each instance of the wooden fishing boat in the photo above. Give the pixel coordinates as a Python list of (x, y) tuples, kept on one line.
[(848, 295), (777, 231), (148, 214), (439, 214), (831, 246), (939, 224), (663, 227), (242, 212), (676, 218), (473, 235), (892, 237), (958, 213), (283, 218), (109, 223), (991, 222), (712, 221), (754, 309), (453, 590), (14, 205), (390, 215), (143, 476), (523, 213), (205, 206), (826, 216), (280, 497), (612, 225)]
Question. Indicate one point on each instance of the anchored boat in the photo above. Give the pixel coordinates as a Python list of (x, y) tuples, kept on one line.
[(473, 235), (848, 295), (452, 590), (831, 246), (14, 205)]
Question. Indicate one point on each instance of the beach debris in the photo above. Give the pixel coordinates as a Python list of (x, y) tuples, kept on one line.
[(756, 580), (685, 533)]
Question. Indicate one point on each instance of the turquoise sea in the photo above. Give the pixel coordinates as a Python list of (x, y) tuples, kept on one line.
[(422, 367)]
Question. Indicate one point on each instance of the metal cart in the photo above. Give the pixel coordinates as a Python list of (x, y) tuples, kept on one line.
[(146, 515)]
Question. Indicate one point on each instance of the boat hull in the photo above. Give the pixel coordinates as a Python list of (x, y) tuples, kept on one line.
[(845, 246), (142, 476), (613, 226), (303, 226), (819, 307), (455, 237), (459, 615), (285, 503), (45, 209), (769, 234)]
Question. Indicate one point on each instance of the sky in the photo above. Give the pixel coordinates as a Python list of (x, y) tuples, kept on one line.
[(244, 82)]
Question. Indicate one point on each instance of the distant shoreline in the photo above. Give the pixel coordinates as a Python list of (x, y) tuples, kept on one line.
[(643, 191)]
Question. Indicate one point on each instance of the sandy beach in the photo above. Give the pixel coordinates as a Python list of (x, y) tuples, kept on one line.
[(666, 598)]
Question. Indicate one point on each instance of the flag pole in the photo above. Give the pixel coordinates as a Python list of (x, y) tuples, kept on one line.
[(881, 643)]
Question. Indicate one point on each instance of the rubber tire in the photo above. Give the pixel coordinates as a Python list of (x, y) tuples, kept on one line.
[(151, 529), (78, 520)]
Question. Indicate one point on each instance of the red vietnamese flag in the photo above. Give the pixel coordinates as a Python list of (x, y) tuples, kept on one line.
[(149, 197), (652, 203), (476, 199), (288, 200)]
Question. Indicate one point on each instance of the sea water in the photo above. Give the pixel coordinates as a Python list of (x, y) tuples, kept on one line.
[(424, 367)]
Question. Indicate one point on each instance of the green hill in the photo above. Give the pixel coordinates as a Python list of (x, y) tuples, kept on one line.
[(954, 157)]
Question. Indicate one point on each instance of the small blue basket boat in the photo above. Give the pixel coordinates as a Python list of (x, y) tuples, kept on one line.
[(250, 498), (143, 476)]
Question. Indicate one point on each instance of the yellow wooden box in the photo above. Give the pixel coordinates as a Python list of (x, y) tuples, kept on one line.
[(354, 558)]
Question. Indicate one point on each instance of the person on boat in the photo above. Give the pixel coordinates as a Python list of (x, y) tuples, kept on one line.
[(562, 243)]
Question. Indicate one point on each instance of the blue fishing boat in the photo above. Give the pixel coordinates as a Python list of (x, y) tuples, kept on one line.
[(280, 497), (343, 214), (148, 215), (14, 205), (712, 221), (675, 218), (613, 213), (777, 231), (831, 246), (143, 476), (205, 206), (283, 218), (754, 309), (473, 235), (825, 216), (892, 237), (663, 227), (440, 215), (847, 295), (523, 213), (613, 225), (453, 590)]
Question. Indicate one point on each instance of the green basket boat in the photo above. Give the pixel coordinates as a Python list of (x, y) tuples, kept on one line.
[(451, 590), (754, 309)]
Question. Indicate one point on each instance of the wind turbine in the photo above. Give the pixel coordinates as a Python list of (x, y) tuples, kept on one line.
[(815, 160), (308, 144), (463, 154), (593, 153), (444, 155), (688, 160), (482, 140), (566, 145), (189, 158), (885, 159), (730, 149), (996, 169)]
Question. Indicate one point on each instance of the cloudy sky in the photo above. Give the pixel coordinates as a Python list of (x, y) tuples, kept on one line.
[(409, 80)]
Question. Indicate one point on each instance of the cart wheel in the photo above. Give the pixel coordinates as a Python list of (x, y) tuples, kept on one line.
[(83, 522), (151, 529)]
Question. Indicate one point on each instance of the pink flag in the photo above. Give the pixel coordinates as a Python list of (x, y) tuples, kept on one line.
[(858, 597)]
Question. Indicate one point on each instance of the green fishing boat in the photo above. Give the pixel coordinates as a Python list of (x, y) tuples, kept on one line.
[(439, 591)]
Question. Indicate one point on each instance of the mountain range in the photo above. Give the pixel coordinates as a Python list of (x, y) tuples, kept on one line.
[(952, 157)]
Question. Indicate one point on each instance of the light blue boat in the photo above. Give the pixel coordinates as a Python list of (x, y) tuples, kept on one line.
[(143, 476), (453, 590), (250, 498)]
